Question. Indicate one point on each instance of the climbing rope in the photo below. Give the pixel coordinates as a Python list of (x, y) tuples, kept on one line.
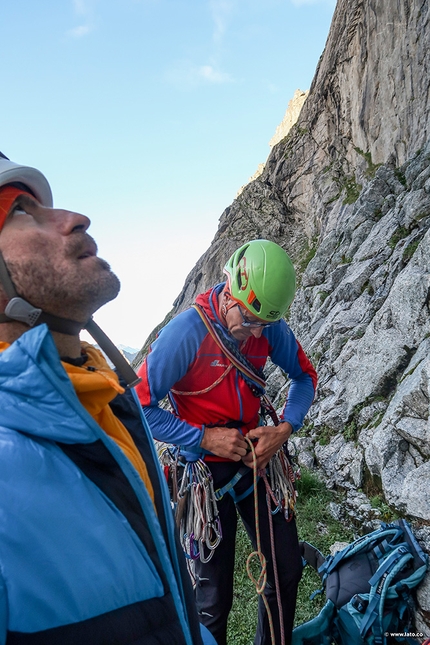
[(253, 377), (260, 583), (207, 389), (196, 513), (279, 483)]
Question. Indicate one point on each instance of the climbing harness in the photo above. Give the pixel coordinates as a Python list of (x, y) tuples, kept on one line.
[(191, 486)]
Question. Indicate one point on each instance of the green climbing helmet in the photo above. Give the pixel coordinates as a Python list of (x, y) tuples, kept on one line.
[(261, 277)]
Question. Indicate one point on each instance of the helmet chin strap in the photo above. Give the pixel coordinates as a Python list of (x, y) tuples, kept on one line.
[(20, 310)]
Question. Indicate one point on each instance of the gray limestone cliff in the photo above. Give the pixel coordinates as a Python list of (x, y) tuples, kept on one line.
[(291, 115), (347, 194)]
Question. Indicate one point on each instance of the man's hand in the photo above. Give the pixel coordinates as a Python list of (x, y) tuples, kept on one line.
[(270, 439), (225, 442)]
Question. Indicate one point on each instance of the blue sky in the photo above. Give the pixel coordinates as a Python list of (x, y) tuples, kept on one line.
[(148, 116)]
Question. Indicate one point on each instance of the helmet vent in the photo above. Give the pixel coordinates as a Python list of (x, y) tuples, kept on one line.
[(241, 254), (239, 271), (239, 280), (256, 304)]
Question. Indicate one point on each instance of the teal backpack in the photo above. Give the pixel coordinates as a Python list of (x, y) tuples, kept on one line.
[(369, 590)]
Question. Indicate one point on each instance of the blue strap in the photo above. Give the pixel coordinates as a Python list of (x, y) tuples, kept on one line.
[(220, 492), (381, 549), (239, 498), (371, 614), (389, 562), (332, 561), (380, 578)]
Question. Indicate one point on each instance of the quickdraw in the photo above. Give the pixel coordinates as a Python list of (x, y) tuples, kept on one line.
[(280, 478), (194, 503)]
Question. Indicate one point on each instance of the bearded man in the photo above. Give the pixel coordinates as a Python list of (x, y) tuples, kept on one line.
[(88, 551)]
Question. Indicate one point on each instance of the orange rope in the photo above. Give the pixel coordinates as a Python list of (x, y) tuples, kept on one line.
[(260, 584), (207, 389), (275, 568)]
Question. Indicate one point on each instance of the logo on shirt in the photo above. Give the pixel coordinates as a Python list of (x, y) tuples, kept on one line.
[(216, 363)]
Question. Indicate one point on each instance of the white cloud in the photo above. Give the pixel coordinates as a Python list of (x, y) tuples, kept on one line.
[(220, 10), (185, 73), (85, 10), (79, 32), (209, 73), (81, 7)]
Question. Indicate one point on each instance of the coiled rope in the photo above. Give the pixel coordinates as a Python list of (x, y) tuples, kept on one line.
[(260, 584)]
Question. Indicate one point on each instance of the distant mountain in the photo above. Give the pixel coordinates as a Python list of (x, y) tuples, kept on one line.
[(129, 352)]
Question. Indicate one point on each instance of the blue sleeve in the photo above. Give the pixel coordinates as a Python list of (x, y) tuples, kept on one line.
[(168, 361), (3, 612), (168, 428), (287, 353)]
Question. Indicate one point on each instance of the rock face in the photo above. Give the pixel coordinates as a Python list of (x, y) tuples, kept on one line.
[(291, 115), (347, 194), (290, 118)]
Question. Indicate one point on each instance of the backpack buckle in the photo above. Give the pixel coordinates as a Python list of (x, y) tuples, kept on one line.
[(359, 603)]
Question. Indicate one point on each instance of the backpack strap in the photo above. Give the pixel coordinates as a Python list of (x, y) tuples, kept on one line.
[(389, 562), (363, 544), (372, 617), (311, 555)]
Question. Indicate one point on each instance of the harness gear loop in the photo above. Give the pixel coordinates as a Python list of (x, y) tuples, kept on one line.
[(195, 506)]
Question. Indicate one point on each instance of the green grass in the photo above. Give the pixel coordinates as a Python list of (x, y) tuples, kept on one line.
[(399, 234), (243, 616), (308, 252), (315, 525), (371, 167), (410, 250)]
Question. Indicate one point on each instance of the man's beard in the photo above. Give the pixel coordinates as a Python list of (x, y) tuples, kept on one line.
[(71, 293)]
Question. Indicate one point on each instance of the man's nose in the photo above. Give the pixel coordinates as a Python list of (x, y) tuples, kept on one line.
[(256, 331), (69, 221)]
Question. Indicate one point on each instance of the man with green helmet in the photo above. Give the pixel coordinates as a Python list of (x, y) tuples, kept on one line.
[(209, 360), (262, 267)]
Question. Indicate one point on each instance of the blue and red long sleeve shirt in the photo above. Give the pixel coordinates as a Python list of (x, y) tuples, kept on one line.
[(185, 363)]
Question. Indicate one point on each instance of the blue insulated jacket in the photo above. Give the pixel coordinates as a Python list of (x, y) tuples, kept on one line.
[(84, 557)]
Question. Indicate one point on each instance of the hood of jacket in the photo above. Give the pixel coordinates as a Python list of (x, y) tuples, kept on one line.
[(209, 301)]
